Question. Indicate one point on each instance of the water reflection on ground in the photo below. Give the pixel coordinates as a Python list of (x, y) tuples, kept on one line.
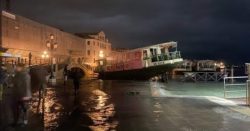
[(53, 110), (134, 105), (50, 111), (92, 109), (101, 111)]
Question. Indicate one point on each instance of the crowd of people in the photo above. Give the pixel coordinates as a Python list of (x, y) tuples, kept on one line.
[(16, 82)]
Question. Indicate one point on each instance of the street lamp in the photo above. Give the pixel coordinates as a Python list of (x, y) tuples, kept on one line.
[(52, 46), (101, 55), (45, 55)]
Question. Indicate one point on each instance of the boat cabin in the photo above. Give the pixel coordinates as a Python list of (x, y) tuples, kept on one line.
[(154, 55)]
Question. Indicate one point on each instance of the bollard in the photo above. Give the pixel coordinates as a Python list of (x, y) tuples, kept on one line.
[(1, 92), (232, 74), (248, 91)]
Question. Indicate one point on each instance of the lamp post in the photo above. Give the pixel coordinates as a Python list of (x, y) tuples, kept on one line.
[(52, 46), (45, 56), (30, 57)]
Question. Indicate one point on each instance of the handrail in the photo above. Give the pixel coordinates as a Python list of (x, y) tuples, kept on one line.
[(237, 77), (235, 84), (165, 56), (247, 90)]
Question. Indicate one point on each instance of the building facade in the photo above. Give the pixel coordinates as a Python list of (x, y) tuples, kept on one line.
[(23, 37), (95, 45)]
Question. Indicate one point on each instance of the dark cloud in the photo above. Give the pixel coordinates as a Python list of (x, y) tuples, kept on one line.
[(204, 28)]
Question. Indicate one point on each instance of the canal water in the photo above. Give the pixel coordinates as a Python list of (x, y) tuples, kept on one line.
[(139, 105)]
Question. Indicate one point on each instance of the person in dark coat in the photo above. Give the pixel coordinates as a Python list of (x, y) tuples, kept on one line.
[(65, 74), (21, 94), (3, 80), (39, 79), (7, 97), (76, 82), (76, 76)]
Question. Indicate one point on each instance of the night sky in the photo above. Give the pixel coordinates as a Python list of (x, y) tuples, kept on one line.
[(204, 29)]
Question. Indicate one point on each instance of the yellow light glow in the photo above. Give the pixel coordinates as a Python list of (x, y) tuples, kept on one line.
[(45, 54), (16, 27), (52, 37), (101, 54)]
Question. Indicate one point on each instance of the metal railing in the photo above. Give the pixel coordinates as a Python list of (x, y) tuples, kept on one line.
[(204, 76), (241, 85), (247, 91), (165, 56)]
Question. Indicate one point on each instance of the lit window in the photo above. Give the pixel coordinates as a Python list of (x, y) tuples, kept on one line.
[(89, 52)]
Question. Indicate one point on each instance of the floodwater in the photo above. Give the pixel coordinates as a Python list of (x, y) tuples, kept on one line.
[(139, 105), (174, 88)]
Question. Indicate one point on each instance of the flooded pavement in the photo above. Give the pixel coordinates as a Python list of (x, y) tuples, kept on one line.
[(135, 106), (200, 89)]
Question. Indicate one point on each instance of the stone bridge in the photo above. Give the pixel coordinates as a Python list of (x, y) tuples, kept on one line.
[(86, 69)]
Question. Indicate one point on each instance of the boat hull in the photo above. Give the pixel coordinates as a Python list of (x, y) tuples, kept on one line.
[(137, 74)]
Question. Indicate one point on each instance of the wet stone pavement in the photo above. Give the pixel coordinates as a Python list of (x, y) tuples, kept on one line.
[(130, 106)]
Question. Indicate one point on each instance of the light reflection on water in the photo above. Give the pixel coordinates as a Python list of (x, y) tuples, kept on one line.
[(98, 107), (52, 109), (157, 110), (101, 112)]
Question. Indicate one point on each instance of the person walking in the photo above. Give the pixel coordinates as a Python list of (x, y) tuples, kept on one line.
[(76, 76), (65, 74), (3, 80), (22, 95), (39, 81), (7, 96)]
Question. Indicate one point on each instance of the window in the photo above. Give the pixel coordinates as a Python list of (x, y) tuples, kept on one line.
[(89, 52), (88, 42)]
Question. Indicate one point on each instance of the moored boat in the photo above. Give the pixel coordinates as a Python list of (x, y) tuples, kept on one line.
[(141, 63)]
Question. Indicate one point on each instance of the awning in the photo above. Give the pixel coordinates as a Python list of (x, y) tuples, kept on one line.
[(4, 54)]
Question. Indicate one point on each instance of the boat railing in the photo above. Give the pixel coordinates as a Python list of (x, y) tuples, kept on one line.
[(166, 56)]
